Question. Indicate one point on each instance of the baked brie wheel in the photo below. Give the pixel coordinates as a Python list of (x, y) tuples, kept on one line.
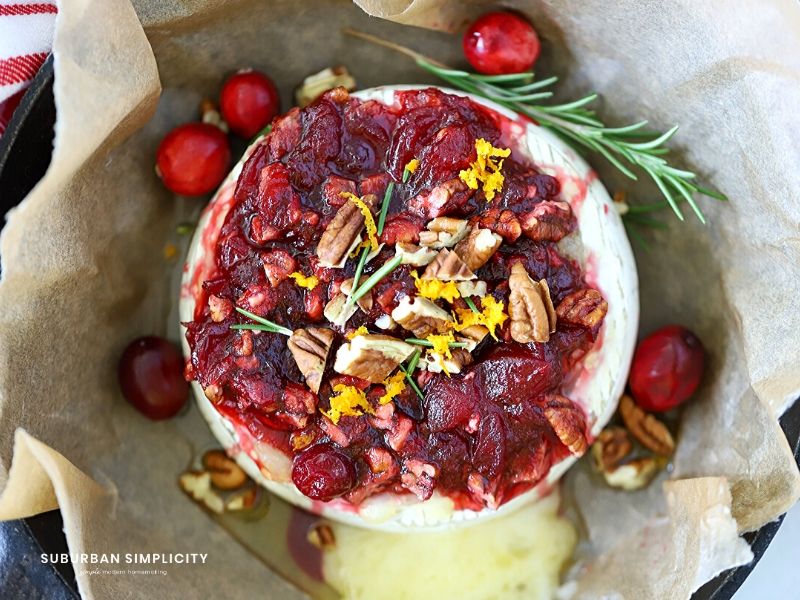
[(482, 348)]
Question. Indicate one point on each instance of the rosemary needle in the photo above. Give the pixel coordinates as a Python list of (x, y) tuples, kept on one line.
[(264, 324), (426, 343)]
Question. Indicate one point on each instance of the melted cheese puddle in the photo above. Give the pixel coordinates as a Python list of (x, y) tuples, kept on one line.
[(518, 556)]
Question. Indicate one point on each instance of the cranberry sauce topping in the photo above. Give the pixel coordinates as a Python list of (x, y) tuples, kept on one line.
[(480, 436)]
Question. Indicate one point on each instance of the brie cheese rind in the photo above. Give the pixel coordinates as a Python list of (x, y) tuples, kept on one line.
[(601, 247)]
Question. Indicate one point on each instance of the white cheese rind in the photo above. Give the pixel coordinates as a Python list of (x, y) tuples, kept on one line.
[(608, 264)]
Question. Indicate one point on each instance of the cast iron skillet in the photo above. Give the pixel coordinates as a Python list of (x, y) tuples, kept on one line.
[(24, 156)]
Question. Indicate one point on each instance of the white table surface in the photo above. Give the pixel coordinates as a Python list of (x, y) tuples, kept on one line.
[(777, 576)]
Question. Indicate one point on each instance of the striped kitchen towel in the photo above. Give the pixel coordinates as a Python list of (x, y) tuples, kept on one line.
[(26, 36)]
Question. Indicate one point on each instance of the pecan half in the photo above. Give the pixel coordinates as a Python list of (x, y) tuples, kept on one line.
[(646, 428), (634, 474), (610, 448), (310, 348), (372, 357), (411, 254), (477, 248), (225, 473), (568, 422), (447, 266), (531, 321), (549, 221), (585, 307), (443, 232), (421, 316), (342, 234)]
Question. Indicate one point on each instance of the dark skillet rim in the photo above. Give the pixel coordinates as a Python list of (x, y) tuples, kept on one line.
[(46, 529)]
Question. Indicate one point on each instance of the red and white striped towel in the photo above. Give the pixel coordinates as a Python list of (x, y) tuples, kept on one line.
[(26, 37)]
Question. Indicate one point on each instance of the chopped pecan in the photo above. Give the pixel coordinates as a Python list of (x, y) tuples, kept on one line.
[(530, 319), (634, 474), (410, 254), (398, 433), (585, 307), (447, 266), (436, 363), (472, 288), (421, 316), (419, 478), (365, 302), (244, 500), (479, 487), (342, 234), (213, 392), (335, 310), (198, 487), (568, 422), (472, 336), (610, 448), (277, 266), (219, 308), (317, 84), (225, 473), (502, 222), (385, 322), (646, 428), (310, 348), (321, 537), (477, 248), (434, 203), (549, 221), (372, 357), (443, 232)]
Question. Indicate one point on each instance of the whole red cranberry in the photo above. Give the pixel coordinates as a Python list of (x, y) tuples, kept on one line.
[(667, 368), (193, 159), (151, 377), (249, 101), (499, 43), (323, 473)]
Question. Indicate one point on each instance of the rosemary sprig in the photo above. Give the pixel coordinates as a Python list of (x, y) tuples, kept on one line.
[(263, 324), (427, 344), (409, 373), (623, 147)]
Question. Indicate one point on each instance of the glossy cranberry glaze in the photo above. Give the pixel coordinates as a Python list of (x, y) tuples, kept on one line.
[(483, 431)]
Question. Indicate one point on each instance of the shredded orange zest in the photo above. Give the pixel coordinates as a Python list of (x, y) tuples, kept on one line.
[(434, 289), (348, 401), (491, 317), (441, 343), (485, 172), (354, 334), (394, 386), (369, 220), (441, 348), (412, 165), (304, 282)]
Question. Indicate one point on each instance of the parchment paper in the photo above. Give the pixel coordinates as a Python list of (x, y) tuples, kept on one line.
[(83, 269)]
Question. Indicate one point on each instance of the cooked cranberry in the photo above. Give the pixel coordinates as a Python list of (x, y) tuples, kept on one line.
[(249, 101), (193, 159), (667, 368), (151, 377), (323, 473), (500, 43)]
